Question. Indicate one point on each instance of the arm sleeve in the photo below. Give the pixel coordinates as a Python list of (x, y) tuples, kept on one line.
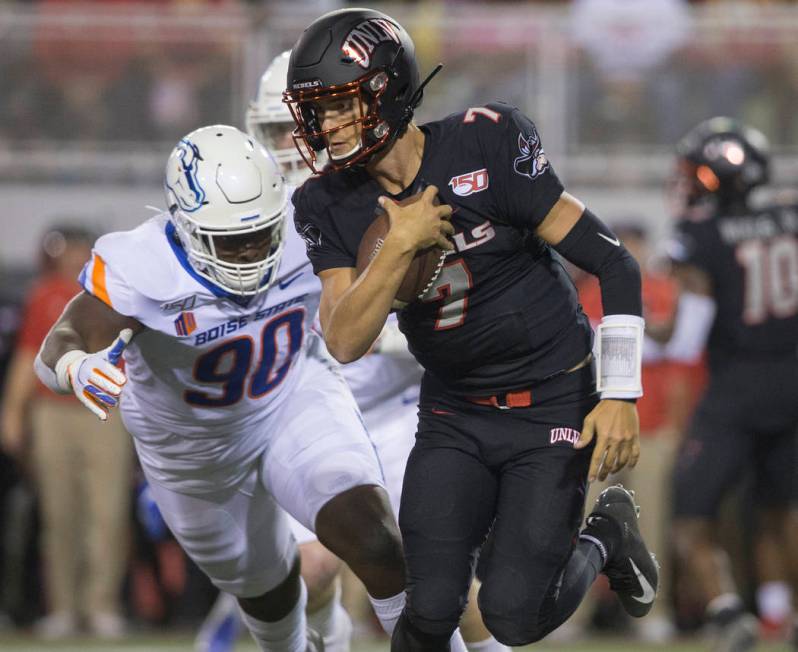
[(324, 246), (592, 246), (524, 184)]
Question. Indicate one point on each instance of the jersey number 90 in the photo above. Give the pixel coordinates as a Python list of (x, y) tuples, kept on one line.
[(228, 365)]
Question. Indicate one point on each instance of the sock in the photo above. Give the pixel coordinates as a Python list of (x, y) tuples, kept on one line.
[(490, 644), (333, 624), (388, 610), (603, 533), (774, 601), (285, 635), (456, 643)]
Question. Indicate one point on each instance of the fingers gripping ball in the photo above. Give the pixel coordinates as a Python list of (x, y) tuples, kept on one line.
[(423, 270)]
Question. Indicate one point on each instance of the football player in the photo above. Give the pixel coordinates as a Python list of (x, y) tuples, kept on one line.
[(738, 269), (237, 413), (385, 385), (510, 425)]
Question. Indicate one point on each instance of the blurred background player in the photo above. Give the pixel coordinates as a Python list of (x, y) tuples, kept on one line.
[(385, 385), (231, 401), (737, 265), (80, 466)]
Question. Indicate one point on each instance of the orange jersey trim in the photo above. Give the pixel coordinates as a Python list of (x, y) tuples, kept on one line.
[(98, 281)]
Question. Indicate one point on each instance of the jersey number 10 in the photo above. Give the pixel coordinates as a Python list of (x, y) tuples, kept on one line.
[(771, 278)]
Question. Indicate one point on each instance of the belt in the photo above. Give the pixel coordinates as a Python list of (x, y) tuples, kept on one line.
[(518, 399), (521, 398)]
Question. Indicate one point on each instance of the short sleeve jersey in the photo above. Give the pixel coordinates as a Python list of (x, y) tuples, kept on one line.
[(209, 368), (503, 312), (752, 262)]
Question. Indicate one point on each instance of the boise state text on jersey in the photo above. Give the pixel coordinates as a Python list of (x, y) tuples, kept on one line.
[(503, 312)]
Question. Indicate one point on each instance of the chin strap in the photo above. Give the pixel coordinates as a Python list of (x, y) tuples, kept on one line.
[(407, 112), (415, 99)]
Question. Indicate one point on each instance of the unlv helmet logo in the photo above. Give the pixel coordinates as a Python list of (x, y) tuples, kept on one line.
[(467, 184), (364, 38), (532, 162)]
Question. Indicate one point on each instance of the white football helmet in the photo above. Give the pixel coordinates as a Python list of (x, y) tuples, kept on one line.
[(227, 200), (270, 123)]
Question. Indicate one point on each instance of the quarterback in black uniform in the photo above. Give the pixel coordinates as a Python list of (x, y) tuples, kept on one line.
[(738, 268), (509, 413)]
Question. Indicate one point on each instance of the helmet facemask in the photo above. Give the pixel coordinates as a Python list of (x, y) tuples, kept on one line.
[(310, 138), (205, 248)]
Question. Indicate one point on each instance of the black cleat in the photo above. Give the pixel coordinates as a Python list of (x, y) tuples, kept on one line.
[(632, 570)]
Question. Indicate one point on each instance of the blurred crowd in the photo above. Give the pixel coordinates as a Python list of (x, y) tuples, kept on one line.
[(637, 72)]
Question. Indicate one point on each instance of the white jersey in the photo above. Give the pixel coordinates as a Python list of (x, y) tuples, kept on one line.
[(378, 377), (209, 368)]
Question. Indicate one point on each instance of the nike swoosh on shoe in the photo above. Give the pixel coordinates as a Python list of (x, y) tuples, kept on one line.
[(648, 591)]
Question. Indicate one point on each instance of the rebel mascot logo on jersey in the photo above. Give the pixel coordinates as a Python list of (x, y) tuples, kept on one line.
[(532, 162)]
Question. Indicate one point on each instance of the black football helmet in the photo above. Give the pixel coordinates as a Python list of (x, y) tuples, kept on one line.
[(720, 159), (357, 53)]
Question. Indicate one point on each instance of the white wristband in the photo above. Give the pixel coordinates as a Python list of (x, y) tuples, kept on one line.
[(62, 369), (619, 356)]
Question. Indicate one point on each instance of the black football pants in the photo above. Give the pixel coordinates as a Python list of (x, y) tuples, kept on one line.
[(746, 420), (508, 479)]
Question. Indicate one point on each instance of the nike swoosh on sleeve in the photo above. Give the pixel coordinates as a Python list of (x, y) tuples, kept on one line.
[(615, 241)]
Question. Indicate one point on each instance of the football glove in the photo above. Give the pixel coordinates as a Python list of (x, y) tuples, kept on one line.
[(95, 378)]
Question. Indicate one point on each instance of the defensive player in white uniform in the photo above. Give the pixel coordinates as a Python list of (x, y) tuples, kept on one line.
[(236, 413), (386, 387)]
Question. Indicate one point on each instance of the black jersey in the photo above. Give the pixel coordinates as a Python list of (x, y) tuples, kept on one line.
[(752, 262), (503, 313)]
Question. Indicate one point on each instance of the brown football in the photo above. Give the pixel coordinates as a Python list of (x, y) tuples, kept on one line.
[(423, 270)]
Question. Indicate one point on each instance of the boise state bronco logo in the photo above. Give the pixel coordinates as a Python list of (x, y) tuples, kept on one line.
[(532, 162), (181, 177)]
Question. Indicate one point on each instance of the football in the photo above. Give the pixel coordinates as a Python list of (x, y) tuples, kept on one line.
[(423, 270)]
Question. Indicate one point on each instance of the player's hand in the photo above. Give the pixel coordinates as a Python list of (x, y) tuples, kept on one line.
[(420, 223), (616, 428), (96, 379)]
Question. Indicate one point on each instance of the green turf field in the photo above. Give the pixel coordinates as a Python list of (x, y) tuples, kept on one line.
[(10, 643)]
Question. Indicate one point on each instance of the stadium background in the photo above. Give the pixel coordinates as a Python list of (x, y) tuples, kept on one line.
[(93, 95)]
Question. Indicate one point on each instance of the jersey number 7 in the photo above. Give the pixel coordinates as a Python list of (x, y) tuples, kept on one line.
[(451, 288), (228, 364)]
